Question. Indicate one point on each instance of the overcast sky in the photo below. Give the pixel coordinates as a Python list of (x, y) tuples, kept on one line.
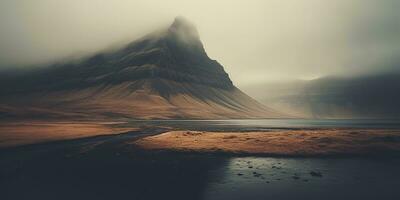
[(255, 40)]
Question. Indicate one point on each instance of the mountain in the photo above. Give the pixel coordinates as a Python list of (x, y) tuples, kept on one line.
[(367, 96), (164, 75)]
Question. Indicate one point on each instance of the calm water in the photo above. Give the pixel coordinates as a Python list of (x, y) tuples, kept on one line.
[(289, 178), (265, 124)]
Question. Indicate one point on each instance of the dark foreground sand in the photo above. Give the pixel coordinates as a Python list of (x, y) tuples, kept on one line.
[(321, 142)]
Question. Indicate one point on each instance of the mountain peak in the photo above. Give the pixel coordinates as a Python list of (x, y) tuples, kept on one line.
[(184, 30), (164, 75), (181, 20)]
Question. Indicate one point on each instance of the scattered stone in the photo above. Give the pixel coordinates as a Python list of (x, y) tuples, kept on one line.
[(255, 174), (316, 174), (295, 177), (275, 167)]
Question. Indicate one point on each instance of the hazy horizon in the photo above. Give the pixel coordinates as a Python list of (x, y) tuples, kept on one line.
[(255, 41)]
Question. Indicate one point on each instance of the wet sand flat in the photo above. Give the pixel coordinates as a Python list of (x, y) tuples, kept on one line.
[(312, 142), (30, 132)]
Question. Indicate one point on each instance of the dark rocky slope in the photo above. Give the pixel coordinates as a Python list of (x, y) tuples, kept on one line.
[(166, 74)]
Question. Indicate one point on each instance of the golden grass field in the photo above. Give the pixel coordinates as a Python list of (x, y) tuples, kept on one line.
[(319, 142)]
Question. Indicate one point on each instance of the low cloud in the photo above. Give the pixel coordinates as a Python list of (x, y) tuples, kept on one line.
[(255, 40)]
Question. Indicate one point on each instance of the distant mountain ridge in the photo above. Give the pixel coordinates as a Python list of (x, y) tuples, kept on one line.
[(369, 96), (166, 74)]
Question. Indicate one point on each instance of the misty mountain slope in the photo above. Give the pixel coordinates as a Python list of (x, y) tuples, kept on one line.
[(370, 96), (166, 74)]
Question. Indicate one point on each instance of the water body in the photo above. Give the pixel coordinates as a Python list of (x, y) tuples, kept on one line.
[(267, 124), (306, 178)]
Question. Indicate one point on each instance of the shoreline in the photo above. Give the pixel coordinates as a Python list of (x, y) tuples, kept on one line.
[(278, 143), (274, 142), (23, 133)]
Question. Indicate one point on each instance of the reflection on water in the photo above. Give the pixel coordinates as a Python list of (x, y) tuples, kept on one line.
[(289, 178), (266, 124)]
